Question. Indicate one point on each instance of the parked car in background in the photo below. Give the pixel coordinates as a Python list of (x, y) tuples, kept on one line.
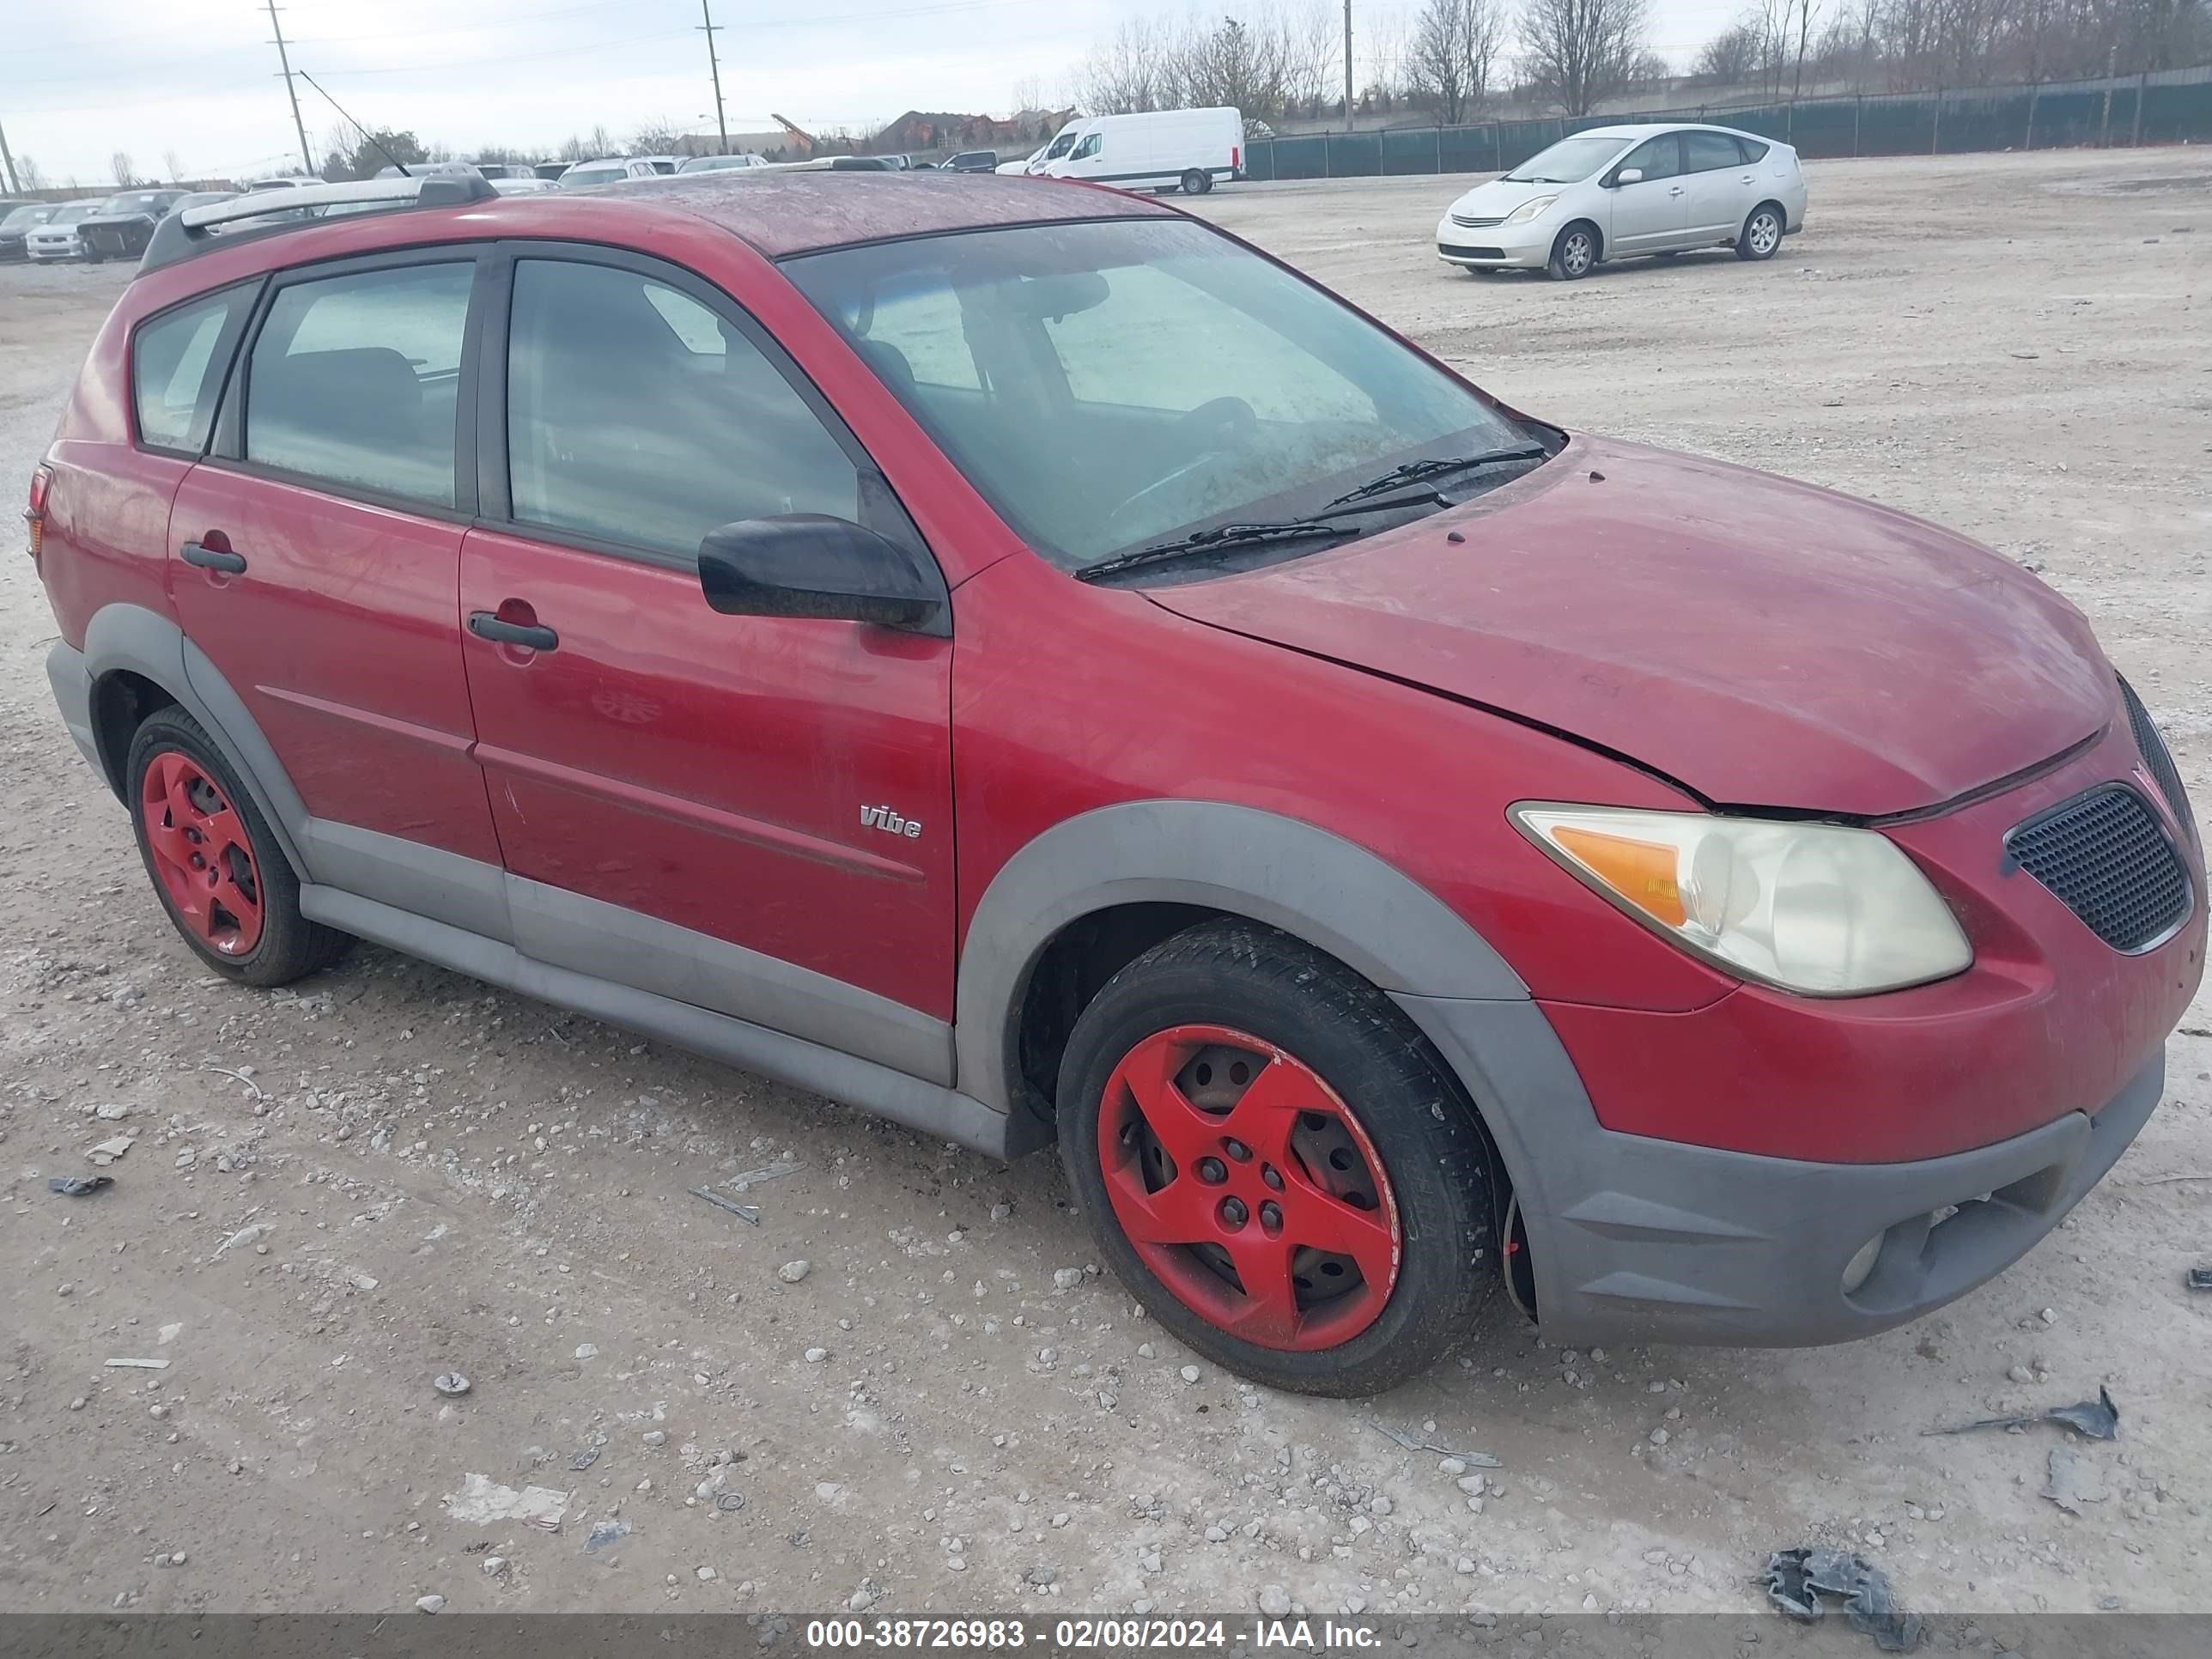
[(1622, 193), (1027, 164), (281, 181), (528, 184), (971, 160), (551, 171), (124, 224), (1187, 149), (745, 161), (611, 170), (58, 240), (18, 222), (663, 164)]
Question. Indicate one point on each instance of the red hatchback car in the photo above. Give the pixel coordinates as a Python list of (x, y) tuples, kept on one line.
[(1009, 655)]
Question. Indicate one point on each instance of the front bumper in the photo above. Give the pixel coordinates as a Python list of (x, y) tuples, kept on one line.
[(1639, 1240), (53, 253), (1495, 247)]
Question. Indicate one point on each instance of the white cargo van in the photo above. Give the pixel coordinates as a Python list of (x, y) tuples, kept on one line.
[(1190, 150)]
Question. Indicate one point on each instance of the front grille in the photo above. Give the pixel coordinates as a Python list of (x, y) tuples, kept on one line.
[(2156, 755), (1453, 251), (1473, 223), (2104, 856)]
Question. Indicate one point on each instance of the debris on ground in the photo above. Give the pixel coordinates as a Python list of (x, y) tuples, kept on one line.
[(251, 1234), (584, 1459), (2072, 1481), (137, 1364), (452, 1384), (2099, 1419), (792, 1271), (111, 1149), (78, 1186), (729, 1501), (430, 1603), (1412, 1443), (1796, 1579), (602, 1534), (483, 1501), (2198, 1278), (783, 1166), (743, 1212)]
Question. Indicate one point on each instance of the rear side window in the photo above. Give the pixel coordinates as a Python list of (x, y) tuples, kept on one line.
[(354, 379), (1710, 151), (177, 364), (636, 415)]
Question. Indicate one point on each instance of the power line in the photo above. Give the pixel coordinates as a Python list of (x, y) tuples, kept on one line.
[(307, 160)]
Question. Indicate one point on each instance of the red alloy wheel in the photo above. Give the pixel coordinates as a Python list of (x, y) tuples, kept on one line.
[(201, 853), (1248, 1187)]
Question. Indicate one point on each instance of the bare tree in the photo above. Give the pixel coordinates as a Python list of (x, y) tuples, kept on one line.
[(173, 167), (1029, 94), (1454, 48), (1576, 53), (120, 165), (29, 174), (1267, 64), (1730, 58)]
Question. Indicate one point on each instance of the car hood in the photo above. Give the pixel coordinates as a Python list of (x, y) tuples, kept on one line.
[(1499, 198), (1762, 643)]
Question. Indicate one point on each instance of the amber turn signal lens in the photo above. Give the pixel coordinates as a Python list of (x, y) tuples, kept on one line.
[(1641, 872)]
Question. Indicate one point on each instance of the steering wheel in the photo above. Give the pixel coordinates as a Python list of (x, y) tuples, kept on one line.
[(1211, 433)]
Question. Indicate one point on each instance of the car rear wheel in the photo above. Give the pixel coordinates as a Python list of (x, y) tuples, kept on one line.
[(1197, 182), (1574, 253), (219, 872), (1275, 1163), (1762, 232)]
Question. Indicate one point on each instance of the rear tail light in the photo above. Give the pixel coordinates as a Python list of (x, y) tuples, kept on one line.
[(34, 516)]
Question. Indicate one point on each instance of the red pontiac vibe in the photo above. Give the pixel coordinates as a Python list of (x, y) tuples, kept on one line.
[(1011, 656)]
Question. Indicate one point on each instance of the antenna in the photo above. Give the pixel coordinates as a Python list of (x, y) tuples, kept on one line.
[(306, 160), (357, 126)]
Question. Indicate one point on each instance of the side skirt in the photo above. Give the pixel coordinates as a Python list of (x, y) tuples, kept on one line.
[(926, 1107)]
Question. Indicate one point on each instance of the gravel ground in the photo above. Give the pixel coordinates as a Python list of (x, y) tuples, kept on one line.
[(339, 1192)]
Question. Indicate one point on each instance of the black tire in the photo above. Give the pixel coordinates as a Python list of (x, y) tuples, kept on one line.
[(290, 947), (1197, 182), (1575, 252), (1762, 232), (1253, 979)]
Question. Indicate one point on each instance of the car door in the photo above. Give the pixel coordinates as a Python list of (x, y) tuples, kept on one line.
[(751, 814), (1723, 187), (1650, 213), (315, 560)]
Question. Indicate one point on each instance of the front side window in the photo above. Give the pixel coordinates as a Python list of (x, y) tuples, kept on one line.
[(1660, 158), (1091, 144), (1061, 144), (637, 415), (354, 379), (176, 371), (1112, 384), (1712, 151)]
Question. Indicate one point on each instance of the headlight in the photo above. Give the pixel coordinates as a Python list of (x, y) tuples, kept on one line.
[(1814, 907), (1531, 209)]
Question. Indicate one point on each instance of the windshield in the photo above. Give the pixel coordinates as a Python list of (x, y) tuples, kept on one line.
[(135, 201), (24, 217), (1567, 162), (75, 214), (594, 175), (1107, 384)]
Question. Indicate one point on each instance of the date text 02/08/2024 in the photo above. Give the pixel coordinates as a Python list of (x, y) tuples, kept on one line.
[(1087, 1635)]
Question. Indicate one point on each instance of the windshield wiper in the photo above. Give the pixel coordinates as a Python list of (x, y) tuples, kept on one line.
[(1435, 467), (1209, 541)]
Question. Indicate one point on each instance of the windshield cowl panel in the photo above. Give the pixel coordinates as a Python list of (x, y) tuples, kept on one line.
[(1109, 386)]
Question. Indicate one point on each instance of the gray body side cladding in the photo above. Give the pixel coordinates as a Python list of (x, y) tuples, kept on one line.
[(71, 682), (1335, 894), (925, 1106)]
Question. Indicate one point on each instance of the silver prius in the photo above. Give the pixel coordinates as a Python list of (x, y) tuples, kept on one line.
[(1618, 192)]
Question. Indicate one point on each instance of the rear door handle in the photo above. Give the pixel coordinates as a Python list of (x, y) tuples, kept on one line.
[(486, 626), (1677, 190), (215, 558)]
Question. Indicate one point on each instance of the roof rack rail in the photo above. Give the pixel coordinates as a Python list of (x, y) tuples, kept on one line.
[(193, 231)]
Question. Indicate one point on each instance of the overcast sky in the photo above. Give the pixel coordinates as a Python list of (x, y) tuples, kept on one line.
[(196, 79)]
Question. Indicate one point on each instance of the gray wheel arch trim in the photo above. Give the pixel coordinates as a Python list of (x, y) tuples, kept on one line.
[(1332, 893), (129, 637)]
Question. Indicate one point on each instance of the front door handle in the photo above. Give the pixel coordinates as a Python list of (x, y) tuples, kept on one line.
[(1677, 190), (486, 626), (214, 558)]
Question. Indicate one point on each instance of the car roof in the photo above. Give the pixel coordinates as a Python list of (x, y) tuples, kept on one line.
[(784, 213), (1653, 129)]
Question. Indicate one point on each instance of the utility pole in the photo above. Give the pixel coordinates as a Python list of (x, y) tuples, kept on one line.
[(1347, 65), (306, 160), (714, 68), (7, 161)]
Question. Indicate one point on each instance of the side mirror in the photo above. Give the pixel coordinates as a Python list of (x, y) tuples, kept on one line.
[(1629, 176), (809, 564)]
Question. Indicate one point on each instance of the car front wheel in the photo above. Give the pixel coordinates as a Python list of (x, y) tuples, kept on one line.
[(1762, 232), (1275, 1163), (1574, 253)]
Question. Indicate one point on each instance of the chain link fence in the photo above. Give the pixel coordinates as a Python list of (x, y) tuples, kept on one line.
[(2168, 106)]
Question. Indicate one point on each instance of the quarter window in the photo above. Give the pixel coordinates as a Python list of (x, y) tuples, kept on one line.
[(176, 370), (1752, 152), (355, 380), (637, 415), (1708, 152)]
